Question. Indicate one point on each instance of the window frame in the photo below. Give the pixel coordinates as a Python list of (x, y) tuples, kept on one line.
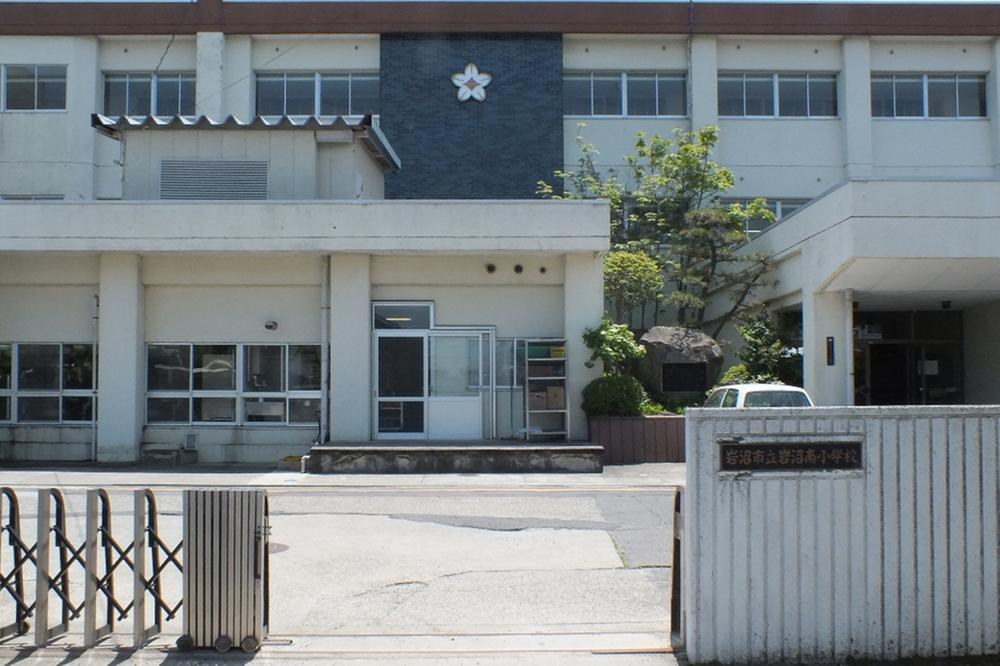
[(15, 393), (239, 394), (35, 109), (658, 75), (776, 94), (317, 91), (925, 90), (154, 78)]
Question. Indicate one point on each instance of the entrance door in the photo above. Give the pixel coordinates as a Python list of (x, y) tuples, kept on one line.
[(434, 384), (402, 390), (454, 386)]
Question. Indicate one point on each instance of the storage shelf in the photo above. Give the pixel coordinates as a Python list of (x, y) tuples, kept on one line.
[(545, 390)]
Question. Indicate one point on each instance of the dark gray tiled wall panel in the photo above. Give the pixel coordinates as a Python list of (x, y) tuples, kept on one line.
[(496, 149)]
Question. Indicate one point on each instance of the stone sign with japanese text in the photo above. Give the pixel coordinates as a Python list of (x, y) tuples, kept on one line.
[(790, 456)]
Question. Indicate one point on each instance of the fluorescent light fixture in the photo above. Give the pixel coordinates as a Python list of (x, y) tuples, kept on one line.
[(398, 319)]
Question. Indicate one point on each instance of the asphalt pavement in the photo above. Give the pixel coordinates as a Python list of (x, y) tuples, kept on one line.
[(418, 569)]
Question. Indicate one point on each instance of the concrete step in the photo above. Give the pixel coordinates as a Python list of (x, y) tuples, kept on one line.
[(445, 458)]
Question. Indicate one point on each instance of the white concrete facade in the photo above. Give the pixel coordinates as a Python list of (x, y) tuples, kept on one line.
[(206, 274)]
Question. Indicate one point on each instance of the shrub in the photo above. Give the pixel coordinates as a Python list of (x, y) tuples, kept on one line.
[(614, 395), (614, 344)]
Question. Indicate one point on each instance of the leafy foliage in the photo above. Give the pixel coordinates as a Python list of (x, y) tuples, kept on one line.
[(630, 279), (614, 395), (668, 207), (767, 355), (614, 344)]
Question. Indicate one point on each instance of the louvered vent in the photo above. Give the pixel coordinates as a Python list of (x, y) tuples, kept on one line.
[(213, 179)]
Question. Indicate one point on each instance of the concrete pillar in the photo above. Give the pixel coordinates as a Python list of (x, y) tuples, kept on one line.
[(993, 103), (703, 76), (120, 359), (583, 307), (211, 50), (237, 86), (350, 347), (855, 95), (827, 316)]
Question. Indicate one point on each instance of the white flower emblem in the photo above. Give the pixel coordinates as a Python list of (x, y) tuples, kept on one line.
[(471, 83)]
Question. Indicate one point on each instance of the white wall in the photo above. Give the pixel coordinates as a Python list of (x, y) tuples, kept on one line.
[(465, 293), (47, 298), (51, 152), (897, 560), (228, 299)]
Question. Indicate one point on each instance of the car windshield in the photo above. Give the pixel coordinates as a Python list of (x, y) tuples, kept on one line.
[(776, 399)]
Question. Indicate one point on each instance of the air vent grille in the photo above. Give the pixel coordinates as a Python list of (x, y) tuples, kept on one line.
[(213, 179)]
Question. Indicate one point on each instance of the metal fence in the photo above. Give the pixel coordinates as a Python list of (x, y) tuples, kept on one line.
[(57, 562)]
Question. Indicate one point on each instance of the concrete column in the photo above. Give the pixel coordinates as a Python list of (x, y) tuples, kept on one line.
[(211, 54), (120, 359), (827, 315), (993, 103), (237, 78), (583, 307), (703, 77), (350, 347), (855, 95)]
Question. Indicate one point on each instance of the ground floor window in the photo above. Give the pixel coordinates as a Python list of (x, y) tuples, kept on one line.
[(233, 384), (47, 382)]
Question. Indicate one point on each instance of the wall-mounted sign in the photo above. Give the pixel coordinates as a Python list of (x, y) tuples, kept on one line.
[(790, 456), (471, 83)]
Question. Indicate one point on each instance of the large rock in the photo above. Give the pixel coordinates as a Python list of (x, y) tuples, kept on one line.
[(693, 361)]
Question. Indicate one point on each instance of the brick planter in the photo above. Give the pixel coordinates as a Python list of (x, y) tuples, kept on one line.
[(630, 440)]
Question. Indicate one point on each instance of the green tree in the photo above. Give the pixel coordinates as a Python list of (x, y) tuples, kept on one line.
[(767, 353), (631, 279), (668, 206), (614, 345)]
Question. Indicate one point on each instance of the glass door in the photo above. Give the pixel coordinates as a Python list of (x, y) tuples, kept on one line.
[(401, 393), (458, 387)]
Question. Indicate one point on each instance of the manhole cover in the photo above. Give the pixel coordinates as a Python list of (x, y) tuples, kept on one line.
[(273, 547)]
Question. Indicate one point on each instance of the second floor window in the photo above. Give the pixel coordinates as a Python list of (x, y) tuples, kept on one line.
[(146, 94), (928, 96), (33, 87), (747, 95), (624, 94), (316, 94)]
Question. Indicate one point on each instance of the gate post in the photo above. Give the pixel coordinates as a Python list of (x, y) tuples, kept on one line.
[(138, 568), (42, 570), (90, 564)]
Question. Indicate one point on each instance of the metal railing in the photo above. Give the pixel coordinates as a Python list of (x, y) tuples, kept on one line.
[(96, 558)]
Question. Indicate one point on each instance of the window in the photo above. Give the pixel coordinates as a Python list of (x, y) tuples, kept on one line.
[(47, 383), (33, 87), (768, 95), (624, 94), (928, 96), (230, 384), (402, 315), (149, 94), (781, 208), (317, 94)]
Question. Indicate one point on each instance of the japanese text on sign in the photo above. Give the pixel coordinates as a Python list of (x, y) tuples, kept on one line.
[(777, 456)]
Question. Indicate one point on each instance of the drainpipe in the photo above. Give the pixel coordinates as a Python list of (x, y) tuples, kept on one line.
[(96, 321), (849, 344), (324, 399)]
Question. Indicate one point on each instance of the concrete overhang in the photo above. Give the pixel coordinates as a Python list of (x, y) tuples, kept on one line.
[(913, 242), (376, 227)]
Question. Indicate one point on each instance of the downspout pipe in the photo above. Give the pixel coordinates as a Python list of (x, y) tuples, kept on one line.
[(96, 321), (324, 399)]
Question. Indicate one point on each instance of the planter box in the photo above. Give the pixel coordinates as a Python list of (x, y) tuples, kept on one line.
[(630, 440)]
